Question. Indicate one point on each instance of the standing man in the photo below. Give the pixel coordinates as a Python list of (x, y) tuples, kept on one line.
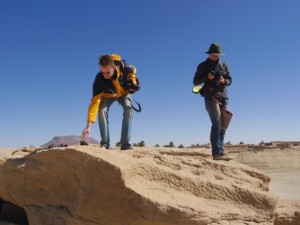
[(116, 81), (215, 76)]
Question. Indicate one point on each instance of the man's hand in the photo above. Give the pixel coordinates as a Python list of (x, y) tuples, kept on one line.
[(85, 133), (131, 87), (211, 76), (221, 80)]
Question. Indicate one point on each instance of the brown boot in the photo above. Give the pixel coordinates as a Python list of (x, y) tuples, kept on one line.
[(222, 156)]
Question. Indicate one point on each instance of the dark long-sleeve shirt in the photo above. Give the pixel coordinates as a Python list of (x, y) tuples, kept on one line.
[(212, 88)]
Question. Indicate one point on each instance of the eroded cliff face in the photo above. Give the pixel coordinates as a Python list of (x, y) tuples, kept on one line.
[(85, 185), (272, 160), (282, 165)]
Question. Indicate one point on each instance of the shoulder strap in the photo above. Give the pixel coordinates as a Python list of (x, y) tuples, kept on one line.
[(119, 62), (221, 65)]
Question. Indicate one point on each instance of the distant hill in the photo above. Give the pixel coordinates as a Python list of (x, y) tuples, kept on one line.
[(68, 140)]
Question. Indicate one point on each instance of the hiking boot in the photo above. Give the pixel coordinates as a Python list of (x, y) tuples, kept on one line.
[(126, 148), (104, 146), (83, 143), (222, 156)]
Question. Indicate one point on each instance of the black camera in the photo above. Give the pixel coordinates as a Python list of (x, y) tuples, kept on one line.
[(217, 74), (129, 85)]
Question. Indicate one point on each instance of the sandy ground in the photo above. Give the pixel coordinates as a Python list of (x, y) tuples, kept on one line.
[(286, 185)]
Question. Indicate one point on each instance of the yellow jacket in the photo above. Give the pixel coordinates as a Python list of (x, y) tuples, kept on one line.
[(111, 88)]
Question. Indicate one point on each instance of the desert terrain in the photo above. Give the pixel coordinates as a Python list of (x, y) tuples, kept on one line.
[(148, 185)]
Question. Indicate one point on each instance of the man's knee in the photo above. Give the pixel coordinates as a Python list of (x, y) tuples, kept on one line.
[(217, 124), (128, 112), (103, 114)]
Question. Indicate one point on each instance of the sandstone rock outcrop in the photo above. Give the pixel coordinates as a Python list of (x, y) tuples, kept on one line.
[(68, 140), (86, 185), (271, 160)]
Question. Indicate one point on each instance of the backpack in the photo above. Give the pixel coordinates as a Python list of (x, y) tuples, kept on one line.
[(126, 69), (119, 62), (122, 65)]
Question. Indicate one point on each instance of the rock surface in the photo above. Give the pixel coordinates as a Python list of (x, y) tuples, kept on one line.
[(283, 167), (87, 185), (271, 160)]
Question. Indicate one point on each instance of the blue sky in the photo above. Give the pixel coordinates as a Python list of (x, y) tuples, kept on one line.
[(49, 58)]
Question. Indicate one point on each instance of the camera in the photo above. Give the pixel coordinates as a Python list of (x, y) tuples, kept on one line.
[(217, 74), (129, 85)]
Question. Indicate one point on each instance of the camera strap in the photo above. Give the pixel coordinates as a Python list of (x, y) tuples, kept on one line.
[(139, 109)]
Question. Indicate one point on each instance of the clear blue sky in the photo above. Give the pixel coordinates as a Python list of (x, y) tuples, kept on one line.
[(49, 58)]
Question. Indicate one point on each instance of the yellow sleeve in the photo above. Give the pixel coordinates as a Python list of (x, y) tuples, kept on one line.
[(93, 108)]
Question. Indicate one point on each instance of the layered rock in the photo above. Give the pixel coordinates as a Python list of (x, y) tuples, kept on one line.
[(86, 185), (271, 160), (68, 140)]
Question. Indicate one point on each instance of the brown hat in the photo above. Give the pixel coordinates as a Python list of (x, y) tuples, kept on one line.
[(215, 49)]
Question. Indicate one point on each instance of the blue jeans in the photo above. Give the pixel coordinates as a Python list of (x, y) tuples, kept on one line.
[(217, 133), (125, 102)]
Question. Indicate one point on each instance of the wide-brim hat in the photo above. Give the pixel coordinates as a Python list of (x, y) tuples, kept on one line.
[(215, 49)]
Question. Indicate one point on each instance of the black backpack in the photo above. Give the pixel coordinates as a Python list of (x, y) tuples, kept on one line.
[(126, 69)]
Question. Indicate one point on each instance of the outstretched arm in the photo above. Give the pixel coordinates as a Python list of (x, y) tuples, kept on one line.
[(92, 114)]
